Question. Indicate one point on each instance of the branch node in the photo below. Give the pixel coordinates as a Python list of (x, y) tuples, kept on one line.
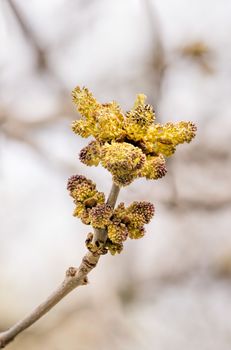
[(71, 271), (85, 281), (97, 247)]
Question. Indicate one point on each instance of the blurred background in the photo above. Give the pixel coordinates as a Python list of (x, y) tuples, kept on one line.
[(170, 290)]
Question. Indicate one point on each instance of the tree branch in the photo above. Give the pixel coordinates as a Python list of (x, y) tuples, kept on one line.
[(74, 278), (100, 235), (29, 35), (112, 198)]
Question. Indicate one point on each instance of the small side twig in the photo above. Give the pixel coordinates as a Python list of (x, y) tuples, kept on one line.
[(74, 278)]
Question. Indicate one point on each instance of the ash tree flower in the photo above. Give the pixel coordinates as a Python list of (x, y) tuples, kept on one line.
[(129, 145), (85, 195)]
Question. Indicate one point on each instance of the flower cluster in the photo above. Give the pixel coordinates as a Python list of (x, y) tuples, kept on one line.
[(85, 196), (119, 223), (128, 145), (128, 222)]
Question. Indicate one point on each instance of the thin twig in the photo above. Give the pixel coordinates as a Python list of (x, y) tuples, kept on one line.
[(100, 235), (158, 63), (74, 278), (112, 198), (42, 62)]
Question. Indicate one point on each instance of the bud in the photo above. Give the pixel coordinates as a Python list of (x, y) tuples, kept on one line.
[(76, 180), (100, 215), (98, 198), (119, 213), (117, 233), (79, 210), (81, 128), (185, 132), (103, 121), (90, 155), (123, 160), (85, 216), (165, 138), (140, 213), (109, 123), (85, 102), (154, 167), (114, 248), (136, 232), (83, 213), (138, 121), (82, 192)]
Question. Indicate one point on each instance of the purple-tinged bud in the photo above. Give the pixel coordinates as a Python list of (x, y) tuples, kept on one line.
[(76, 180), (117, 233), (90, 155), (100, 215), (136, 232), (144, 210)]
